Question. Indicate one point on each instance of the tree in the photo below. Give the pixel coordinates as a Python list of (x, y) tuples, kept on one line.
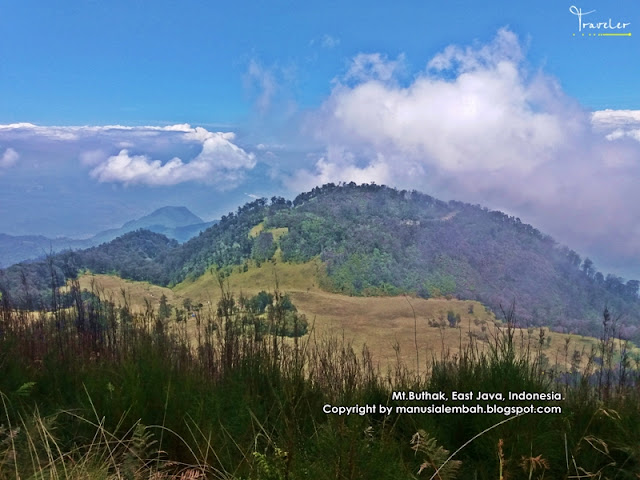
[(260, 302), (613, 283), (599, 278), (453, 318), (187, 304), (573, 258), (587, 267), (286, 304), (631, 289), (164, 310), (263, 247)]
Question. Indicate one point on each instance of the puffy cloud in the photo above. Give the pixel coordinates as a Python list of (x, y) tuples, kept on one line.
[(485, 114), (140, 169), (479, 125), (220, 162), (373, 66), (504, 48), (618, 123), (616, 118), (333, 167), (9, 158)]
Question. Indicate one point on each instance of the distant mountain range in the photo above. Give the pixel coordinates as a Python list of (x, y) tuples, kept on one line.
[(177, 223)]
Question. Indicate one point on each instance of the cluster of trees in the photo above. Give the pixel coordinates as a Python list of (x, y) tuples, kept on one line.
[(263, 247), (269, 313)]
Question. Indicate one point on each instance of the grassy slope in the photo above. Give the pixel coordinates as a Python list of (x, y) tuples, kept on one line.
[(381, 323), (112, 286)]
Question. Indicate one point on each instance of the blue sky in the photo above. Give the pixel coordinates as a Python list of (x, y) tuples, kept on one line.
[(136, 62), (109, 110)]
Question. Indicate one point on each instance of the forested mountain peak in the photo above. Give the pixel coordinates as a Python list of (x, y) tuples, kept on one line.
[(379, 240)]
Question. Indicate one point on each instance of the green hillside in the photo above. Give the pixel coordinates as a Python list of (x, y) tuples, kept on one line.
[(375, 240)]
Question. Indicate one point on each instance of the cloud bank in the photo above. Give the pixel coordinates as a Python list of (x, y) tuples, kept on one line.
[(123, 154), (478, 124), (618, 123)]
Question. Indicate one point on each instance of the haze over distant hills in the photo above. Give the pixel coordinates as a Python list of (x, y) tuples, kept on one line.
[(178, 223)]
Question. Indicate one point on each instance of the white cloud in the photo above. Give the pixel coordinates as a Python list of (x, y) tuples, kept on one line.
[(620, 133), (373, 66), (618, 123), (488, 117), (140, 169), (328, 170), (615, 118), (73, 133), (261, 80), (219, 162), (55, 133), (9, 158), (505, 47)]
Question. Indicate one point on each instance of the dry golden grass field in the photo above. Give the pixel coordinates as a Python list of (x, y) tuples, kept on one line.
[(400, 327)]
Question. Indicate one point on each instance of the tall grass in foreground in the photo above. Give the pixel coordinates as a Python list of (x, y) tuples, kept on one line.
[(97, 391)]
